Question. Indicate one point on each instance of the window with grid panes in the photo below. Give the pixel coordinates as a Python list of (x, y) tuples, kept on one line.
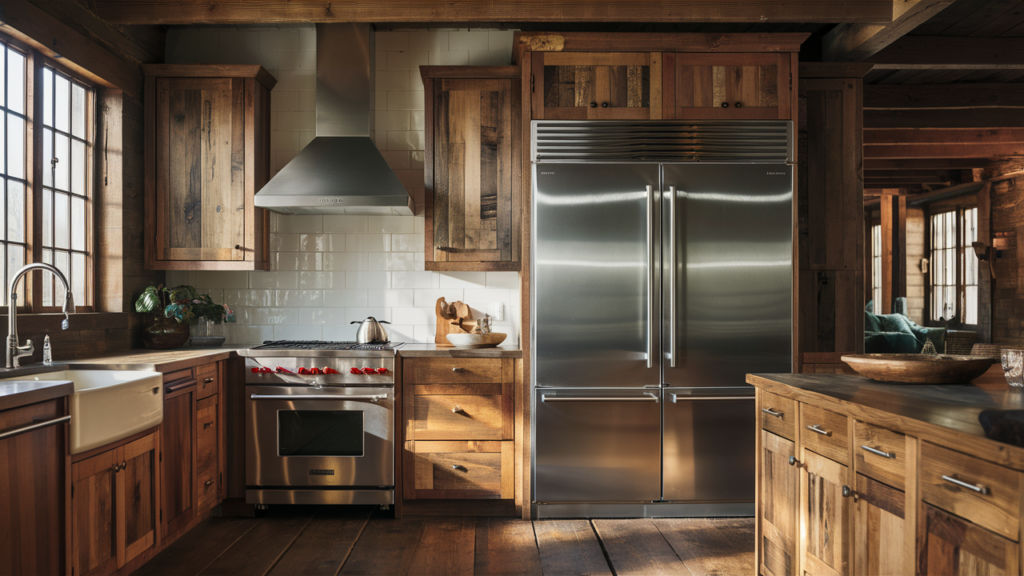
[(876, 268), (13, 161), (67, 155), (954, 265)]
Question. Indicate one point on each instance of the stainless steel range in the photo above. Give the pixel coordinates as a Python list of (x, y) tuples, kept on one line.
[(320, 423)]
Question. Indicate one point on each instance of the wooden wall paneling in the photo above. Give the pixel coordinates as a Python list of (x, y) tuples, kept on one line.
[(985, 282), (887, 224), (526, 204)]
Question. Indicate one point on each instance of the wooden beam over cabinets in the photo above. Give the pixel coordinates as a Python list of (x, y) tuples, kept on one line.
[(855, 42), (26, 22), (925, 164), (943, 96), (301, 11), (950, 53), (906, 151), (967, 136), (946, 117)]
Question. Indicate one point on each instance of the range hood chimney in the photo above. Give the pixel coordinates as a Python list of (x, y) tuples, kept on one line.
[(340, 171)]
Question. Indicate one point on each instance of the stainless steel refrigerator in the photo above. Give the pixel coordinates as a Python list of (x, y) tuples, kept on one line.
[(662, 262)]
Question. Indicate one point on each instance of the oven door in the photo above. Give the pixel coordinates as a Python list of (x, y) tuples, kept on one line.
[(308, 437)]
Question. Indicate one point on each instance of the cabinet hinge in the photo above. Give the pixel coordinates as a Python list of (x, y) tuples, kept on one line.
[(161, 514), (72, 490), (161, 457), (533, 83)]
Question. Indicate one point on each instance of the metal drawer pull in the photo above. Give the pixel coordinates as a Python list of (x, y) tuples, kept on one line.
[(676, 397), (975, 487), (458, 369), (772, 412), (208, 483), (877, 452), (460, 467), (647, 397), (207, 425), (35, 426), (207, 380), (297, 397), (457, 409), (819, 430)]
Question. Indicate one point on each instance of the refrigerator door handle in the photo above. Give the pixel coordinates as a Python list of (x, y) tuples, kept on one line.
[(650, 276), (647, 397), (672, 275), (676, 397)]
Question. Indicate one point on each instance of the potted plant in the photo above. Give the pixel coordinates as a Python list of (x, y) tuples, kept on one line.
[(179, 306)]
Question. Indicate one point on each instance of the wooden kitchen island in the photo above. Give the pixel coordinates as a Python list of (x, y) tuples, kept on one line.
[(858, 477)]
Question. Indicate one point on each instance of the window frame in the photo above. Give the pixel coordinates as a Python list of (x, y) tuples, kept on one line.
[(31, 287), (961, 253)]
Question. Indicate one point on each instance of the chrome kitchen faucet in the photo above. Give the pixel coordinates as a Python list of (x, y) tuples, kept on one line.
[(14, 351)]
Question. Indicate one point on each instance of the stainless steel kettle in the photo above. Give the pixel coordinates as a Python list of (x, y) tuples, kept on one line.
[(371, 332)]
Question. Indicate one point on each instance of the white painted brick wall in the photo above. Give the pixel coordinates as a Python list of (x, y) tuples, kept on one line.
[(327, 271)]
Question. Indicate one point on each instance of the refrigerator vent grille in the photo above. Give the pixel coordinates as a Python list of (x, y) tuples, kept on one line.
[(663, 141)]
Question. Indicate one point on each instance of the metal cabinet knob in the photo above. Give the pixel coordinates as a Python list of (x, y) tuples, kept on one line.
[(738, 104), (208, 483), (457, 409), (604, 104), (725, 104), (793, 461), (460, 468), (207, 425), (593, 104), (848, 492), (207, 380), (458, 369)]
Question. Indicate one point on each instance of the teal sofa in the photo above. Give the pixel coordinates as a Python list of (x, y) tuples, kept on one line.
[(898, 334)]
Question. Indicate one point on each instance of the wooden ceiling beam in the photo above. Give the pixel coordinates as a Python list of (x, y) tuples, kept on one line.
[(956, 118), (856, 42), (873, 184), (950, 53), (921, 175), (967, 136), (186, 12), (906, 151), (943, 96), (925, 164)]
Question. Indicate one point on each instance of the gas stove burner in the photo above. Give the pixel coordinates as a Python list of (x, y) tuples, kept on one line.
[(322, 345)]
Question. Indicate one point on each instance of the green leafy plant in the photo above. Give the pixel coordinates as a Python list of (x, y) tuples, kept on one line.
[(183, 303)]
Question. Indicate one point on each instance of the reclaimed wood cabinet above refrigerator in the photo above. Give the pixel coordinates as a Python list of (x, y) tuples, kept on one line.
[(207, 153)]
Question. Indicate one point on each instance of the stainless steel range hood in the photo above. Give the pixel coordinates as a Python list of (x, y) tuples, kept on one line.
[(340, 171)]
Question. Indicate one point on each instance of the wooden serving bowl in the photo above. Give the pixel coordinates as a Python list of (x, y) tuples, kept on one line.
[(920, 368), (476, 340)]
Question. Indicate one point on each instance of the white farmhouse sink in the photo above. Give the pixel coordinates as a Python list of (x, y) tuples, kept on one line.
[(109, 405)]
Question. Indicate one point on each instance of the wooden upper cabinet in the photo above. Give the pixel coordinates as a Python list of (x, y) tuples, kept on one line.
[(473, 169), (207, 154), (595, 85), (727, 86)]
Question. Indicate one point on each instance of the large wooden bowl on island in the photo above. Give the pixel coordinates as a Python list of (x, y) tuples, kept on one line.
[(920, 368)]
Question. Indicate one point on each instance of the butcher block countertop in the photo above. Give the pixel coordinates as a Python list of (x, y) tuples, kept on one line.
[(435, 351), (18, 393), (946, 414)]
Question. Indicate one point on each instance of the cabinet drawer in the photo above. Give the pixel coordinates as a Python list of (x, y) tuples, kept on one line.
[(458, 417), (778, 415), (453, 371), (206, 453), (459, 470), (825, 432), (993, 503), (207, 380), (880, 454)]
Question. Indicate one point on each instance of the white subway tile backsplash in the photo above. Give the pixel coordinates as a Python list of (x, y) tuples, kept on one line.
[(416, 279), (297, 224), (428, 298), (462, 279), (500, 39), (507, 280), (281, 261), (392, 120), (406, 59), (345, 224), (391, 298), (299, 298), (275, 280), (347, 261), (298, 333), (368, 242), (490, 58), (392, 80), (318, 242), (342, 332), (424, 333), (485, 296), (370, 280), (428, 40), (407, 242), (345, 298), (222, 279), (405, 100), (404, 140), (320, 280), (275, 316), (467, 40), (397, 159), (391, 40), (450, 58), (414, 316), (391, 261), (389, 224), (360, 314)]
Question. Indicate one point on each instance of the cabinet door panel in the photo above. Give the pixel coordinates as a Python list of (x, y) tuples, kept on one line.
[(880, 530), (595, 85), (94, 519), (201, 211), (825, 514), (779, 493), (956, 547), (206, 453), (727, 86), (136, 498), (178, 463), (472, 214)]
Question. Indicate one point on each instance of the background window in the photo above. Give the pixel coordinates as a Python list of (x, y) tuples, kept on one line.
[(954, 266), (876, 268), (66, 160), (970, 265), (13, 163)]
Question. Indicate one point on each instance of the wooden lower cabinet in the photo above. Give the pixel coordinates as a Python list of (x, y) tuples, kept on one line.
[(32, 490), (207, 453), (779, 485), (825, 514), (456, 470), (954, 546), (114, 507), (880, 530), (178, 458)]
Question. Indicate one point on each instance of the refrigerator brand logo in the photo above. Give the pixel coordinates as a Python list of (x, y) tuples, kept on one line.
[(332, 200), (547, 173), (320, 472), (776, 173)]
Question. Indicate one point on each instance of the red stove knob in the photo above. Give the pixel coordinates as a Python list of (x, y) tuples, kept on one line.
[(329, 370), (369, 371), (382, 370), (265, 370), (281, 370), (304, 371), (354, 371), (314, 371)]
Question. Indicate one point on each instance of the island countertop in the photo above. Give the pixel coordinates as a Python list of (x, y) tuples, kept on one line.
[(946, 412)]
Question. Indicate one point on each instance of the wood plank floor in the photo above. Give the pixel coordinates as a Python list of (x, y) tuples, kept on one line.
[(359, 540)]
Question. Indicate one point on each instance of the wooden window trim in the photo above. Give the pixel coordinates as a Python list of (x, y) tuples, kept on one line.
[(31, 284), (932, 210)]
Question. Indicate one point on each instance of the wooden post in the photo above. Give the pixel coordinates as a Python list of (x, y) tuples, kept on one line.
[(887, 224), (985, 281), (894, 248)]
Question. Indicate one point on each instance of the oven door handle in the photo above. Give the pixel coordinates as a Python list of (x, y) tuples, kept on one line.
[(371, 398)]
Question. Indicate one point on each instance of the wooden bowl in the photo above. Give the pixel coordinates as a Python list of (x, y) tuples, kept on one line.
[(920, 368), (476, 340)]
